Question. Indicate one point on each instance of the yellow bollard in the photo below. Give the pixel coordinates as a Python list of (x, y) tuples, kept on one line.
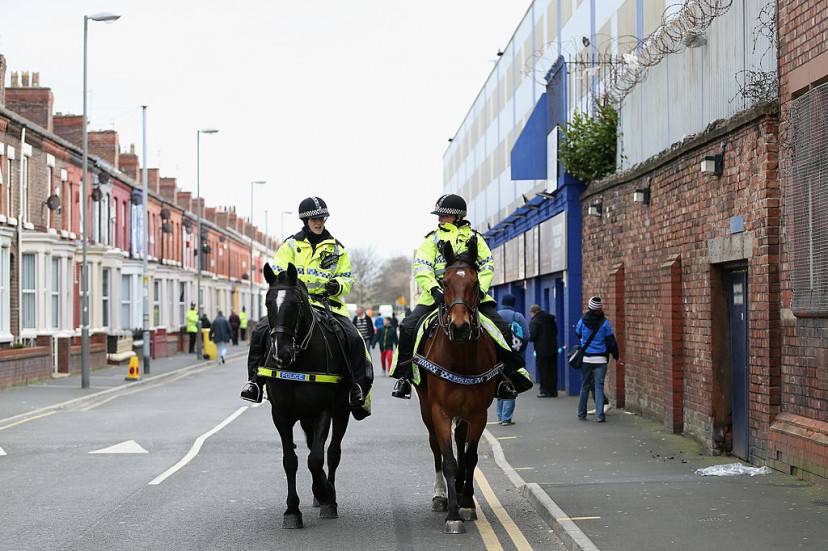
[(134, 372), (209, 347)]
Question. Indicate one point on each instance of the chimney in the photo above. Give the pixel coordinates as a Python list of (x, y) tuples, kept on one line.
[(15, 80), (168, 189), (184, 199), (222, 218), (2, 80), (153, 180), (70, 128), (210, 214), (32, 103), (129, 165), (198, 205), (232, 218), (104, 144)]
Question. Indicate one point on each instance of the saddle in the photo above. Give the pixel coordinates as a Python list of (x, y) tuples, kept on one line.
[(332, 326)]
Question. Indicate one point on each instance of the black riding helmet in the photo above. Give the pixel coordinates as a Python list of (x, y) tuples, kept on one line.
[(450, 204), (313, 207)]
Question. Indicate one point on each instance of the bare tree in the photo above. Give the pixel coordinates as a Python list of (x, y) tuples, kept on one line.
[(366, 270), (394, 280)]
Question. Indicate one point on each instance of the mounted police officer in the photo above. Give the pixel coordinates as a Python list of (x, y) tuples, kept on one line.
[(324, 267), (429, 266)]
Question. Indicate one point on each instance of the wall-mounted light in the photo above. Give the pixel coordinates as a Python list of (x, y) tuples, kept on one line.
[(596, 208), (642, 196), (546, 194), (713, 164), (53, 202)]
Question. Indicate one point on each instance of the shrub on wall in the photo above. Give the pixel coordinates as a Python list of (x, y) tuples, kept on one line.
[(588, 146)]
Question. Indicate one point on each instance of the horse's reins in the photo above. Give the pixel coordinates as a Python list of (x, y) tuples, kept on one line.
[(295, 349), (444, 315)]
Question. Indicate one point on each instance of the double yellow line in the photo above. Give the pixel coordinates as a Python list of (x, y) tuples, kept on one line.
[(487, 533)]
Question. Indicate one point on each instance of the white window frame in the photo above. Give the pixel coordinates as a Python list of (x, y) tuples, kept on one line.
[(126, 301), (54, 302), (10, 154), (5, 294), (156, 303), (182, 302), (24, 190), (28, 293), (106, 297)]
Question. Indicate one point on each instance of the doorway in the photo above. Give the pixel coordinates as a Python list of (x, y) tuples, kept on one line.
[(736, 287)]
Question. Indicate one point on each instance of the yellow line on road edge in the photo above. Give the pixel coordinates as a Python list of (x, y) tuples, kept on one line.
[(486, 531), (10, 425), (509, 525), (145, 387)]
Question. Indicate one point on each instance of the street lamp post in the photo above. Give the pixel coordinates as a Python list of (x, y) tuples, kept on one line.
[(108, 18), (254, 183), (198, 232), (145, 334), (282, 224)]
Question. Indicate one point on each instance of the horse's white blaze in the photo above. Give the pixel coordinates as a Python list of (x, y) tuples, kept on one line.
[(439, 485), (280, 298), (461, 273)]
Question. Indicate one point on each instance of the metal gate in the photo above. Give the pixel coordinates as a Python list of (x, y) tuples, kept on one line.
[(738, 310)]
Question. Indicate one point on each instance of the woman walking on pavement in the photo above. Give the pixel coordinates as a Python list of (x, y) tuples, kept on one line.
[(597, 341), (387, 340)]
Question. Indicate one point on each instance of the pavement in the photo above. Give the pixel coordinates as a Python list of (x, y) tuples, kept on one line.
[(181, 462), (628, 484)]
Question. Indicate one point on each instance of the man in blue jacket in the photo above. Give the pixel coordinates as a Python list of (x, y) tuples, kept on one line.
[(596, 355), (520, 335)]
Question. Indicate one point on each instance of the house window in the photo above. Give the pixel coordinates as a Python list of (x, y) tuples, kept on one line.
[(156, 303), (55, 297), (29, 291), (105, 289), (182, 311), (50, 185), (126, 302), (4, 291), (7, 193)]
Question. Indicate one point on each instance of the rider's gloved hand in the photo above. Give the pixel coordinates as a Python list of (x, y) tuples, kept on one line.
[(482, 296), (439, 297), (333, 287)]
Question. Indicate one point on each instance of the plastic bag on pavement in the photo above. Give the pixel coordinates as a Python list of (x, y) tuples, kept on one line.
[(732, 469)]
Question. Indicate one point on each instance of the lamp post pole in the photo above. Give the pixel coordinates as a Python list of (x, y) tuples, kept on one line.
[(282, 224), (200, 247), (106, 17), (145, 240), (254, 183)]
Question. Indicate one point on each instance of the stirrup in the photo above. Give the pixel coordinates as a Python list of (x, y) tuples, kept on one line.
[(506, 390), (402, 389), (252, 392)]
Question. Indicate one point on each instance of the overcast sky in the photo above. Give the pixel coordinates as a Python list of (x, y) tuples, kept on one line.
[(352, 101)]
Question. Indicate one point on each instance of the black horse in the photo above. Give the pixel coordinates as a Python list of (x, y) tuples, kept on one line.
[(302, 348)]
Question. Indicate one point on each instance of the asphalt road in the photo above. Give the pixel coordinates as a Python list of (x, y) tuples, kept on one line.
[(231, 494)]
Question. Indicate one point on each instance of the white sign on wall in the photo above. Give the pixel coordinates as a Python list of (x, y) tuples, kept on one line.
[(553, 244), (552, 160)]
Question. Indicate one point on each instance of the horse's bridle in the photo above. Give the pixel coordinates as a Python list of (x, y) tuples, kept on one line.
[(295, 348), (444, 316)]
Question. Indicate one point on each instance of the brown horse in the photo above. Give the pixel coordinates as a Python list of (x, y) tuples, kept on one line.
[(464, 357)]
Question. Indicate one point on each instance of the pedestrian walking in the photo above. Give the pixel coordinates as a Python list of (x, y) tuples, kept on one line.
[(520, 334), (364, 325), (395, 323), (205, 321), (221, 333), (235, 323), (543, 333), (243, 324), (192, 326), (387, 341), (379, 322), (597, 343)]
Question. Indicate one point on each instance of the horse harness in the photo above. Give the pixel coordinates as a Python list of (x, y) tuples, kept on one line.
[(444, 314), (302, 346)]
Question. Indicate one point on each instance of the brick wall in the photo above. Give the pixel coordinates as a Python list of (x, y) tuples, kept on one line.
[(104, 144), (799, 435), (20, 366), (70, 128), (663, 254), (34, 104)]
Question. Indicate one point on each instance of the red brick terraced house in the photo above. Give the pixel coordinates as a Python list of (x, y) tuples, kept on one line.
[(40, 247), (710, 244)]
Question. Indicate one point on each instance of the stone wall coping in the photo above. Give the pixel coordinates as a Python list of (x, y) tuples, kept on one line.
[(714, 131)]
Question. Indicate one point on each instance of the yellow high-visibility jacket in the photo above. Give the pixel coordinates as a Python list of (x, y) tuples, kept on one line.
[(243, 320), (316, 266), (192, 321), (430, 266)]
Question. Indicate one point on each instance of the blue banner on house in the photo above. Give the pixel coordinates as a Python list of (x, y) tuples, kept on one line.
[(529, 152)]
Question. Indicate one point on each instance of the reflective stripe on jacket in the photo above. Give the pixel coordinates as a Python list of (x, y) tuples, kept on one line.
[(430, 265), (316, 266)]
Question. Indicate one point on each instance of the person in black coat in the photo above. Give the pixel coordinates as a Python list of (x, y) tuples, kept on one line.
[(543, 332), (221, 333)]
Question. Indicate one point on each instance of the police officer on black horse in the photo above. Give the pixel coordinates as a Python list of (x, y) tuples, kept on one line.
[(324, 267)]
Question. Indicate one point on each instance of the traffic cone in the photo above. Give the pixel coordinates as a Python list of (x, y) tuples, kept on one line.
[(134, 372)]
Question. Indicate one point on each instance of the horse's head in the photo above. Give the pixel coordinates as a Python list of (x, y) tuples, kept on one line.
[(462, 290), (288, 314)]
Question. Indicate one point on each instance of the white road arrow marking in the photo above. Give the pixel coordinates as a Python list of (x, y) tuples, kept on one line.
[(2, 452), (130, 446)]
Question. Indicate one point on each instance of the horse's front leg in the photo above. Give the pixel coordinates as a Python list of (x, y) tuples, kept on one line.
[(293, 516), (316, 460), (476, 426), (340, 425), (439, 502), (442, 428)]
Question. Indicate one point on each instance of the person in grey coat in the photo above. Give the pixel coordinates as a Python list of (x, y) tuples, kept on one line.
[(221, 333)]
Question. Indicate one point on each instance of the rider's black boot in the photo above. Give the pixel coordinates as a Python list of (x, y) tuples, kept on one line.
[(506, 390), (403, 373), (252, 392), (356, 397), (402, 389)]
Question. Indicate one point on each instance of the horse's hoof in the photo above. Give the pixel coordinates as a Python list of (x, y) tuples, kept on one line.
[(328, 511), (292, 521), (468, 513), (454, 527), (315, 502), (439, 504)]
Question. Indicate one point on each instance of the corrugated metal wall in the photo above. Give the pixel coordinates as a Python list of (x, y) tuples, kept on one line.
[(689, 90)]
